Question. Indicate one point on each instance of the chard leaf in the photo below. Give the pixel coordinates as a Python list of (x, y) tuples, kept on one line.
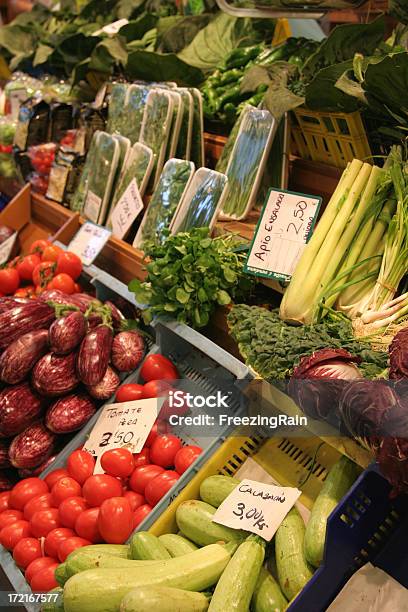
[(322, 93), (150, 65), (182, 296), (176, 32), (42, 54), (223, 298), (108, 53), (136, 29)]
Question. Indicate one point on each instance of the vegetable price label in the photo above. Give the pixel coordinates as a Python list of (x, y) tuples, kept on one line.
[(89, 241), (127, 209), (283, 230), (256, 507), (6, 247)]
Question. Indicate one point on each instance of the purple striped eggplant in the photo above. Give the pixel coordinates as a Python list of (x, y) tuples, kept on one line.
[(19, 407), (94, 355), (118, 318), (21, 355), (8, 302), (69, 413), (66, 333), (31, 472), (107, 387), (24, 318), (54, 375), (32, 447), (128, 349), (58, 297)]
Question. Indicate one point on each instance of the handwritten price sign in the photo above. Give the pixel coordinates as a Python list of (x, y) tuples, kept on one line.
[(127, 209), (89, 241)]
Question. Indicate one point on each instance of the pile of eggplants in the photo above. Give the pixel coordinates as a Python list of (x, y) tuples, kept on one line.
[(61, 357)]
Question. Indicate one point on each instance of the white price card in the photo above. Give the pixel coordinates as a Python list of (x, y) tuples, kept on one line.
[(92, 206), (256, 507), (127, 209), (6, 247), (89, 241), (284, 228)]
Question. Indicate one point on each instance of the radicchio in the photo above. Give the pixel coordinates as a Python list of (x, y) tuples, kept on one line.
[(398, 352)]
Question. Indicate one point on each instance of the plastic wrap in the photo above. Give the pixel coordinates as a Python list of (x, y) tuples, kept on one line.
[(184, 140), (116, 116), (78, 199), (222, 163), (197, 138), (177, 116), (135, 104), (156, 125), (7, 131)]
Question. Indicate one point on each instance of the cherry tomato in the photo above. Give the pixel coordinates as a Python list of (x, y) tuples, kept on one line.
[(4, 500), (135, 499), (53, 539), (99, 487), (159, 427), (12, 533), (185, 457), (142, 458), (43, 273), (36, 566), (63, 488), (164, 449), (129, 393), (115, 520), (38, 246), (140, 514), (70, 509), (26, 266), (44, 521), (78, 288), (67, 546), (156, 388), (70, 264), (158, 367), (158, 487), (179, 406), (118, 462), (142, 475), (86, 525), (51, 253), (25, 490), (26, 550), (44, 580), (9, 280), (54, 476), (63, 282), (10, 516), (39, 502), (80, 465)]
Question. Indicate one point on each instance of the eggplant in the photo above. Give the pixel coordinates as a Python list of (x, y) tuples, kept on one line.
[(67, 332), (19, 407), (69, 413), (55, 375), (128, 349), (32, 472), (6, 303), (58, 297), (21, 355), (107, 387), (4, 458), (118, 318), (32, 446), (24, 318), (94, 355)]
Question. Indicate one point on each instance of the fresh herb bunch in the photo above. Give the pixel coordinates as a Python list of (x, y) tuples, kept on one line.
[(189, 275)]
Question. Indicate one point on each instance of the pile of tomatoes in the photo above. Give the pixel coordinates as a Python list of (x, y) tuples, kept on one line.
[(47, 266)]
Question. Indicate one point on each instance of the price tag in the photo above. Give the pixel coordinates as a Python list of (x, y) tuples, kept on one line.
[(127, 209), (89, 241), (92, 206), (283, 230), (6, 247), (256, 507), (111, 28)]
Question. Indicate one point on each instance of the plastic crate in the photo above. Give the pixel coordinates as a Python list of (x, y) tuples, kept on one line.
[(357, 530), (330, 138)]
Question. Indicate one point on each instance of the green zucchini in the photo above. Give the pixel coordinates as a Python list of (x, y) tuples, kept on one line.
[(237, 583), (114, 550), (54, 606), (102, 590), (60, 574), (215, 489), (293, 569), (81, 563), (268, 596), (194, 519), (338, 482), (176, 545), (145, 545), (163, 599)]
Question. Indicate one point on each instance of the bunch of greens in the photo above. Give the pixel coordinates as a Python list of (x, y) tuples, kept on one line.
[(189, 275)]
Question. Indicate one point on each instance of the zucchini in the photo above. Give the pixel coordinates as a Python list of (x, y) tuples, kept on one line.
[(163, 599), (338, 482), (194, 519), (114, 550), (293, 569), (58, 605), (237, 583), (268, 596), (81, 563), (145, 545), (102, 590), (215, 489), (176, 545), (60, 575)]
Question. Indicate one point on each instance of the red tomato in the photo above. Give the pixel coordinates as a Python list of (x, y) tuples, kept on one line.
[(38, 246), (158, 487), (63, 488), (118, 462), (63, 283), (156, 388), (44, 580), (129, 393), (78, 288), (26, 550), (54, 476), (51, 253), (13, 533), (159, 427), (99, 487), (86, 525), (142, 458), (25, 490), (142, 475), (43, 273), (21, 293), (158, 367), (4, 500), (140, 514), (115, 520), (36, 566), (185, 457), (25, 266), (70, 509), (39, 502), (70, 264), (135, 499), (53, 539), (10, 516), (67, 546), (80, 465), (179, 406), (164, 450), (44, 521), (9, 280)]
